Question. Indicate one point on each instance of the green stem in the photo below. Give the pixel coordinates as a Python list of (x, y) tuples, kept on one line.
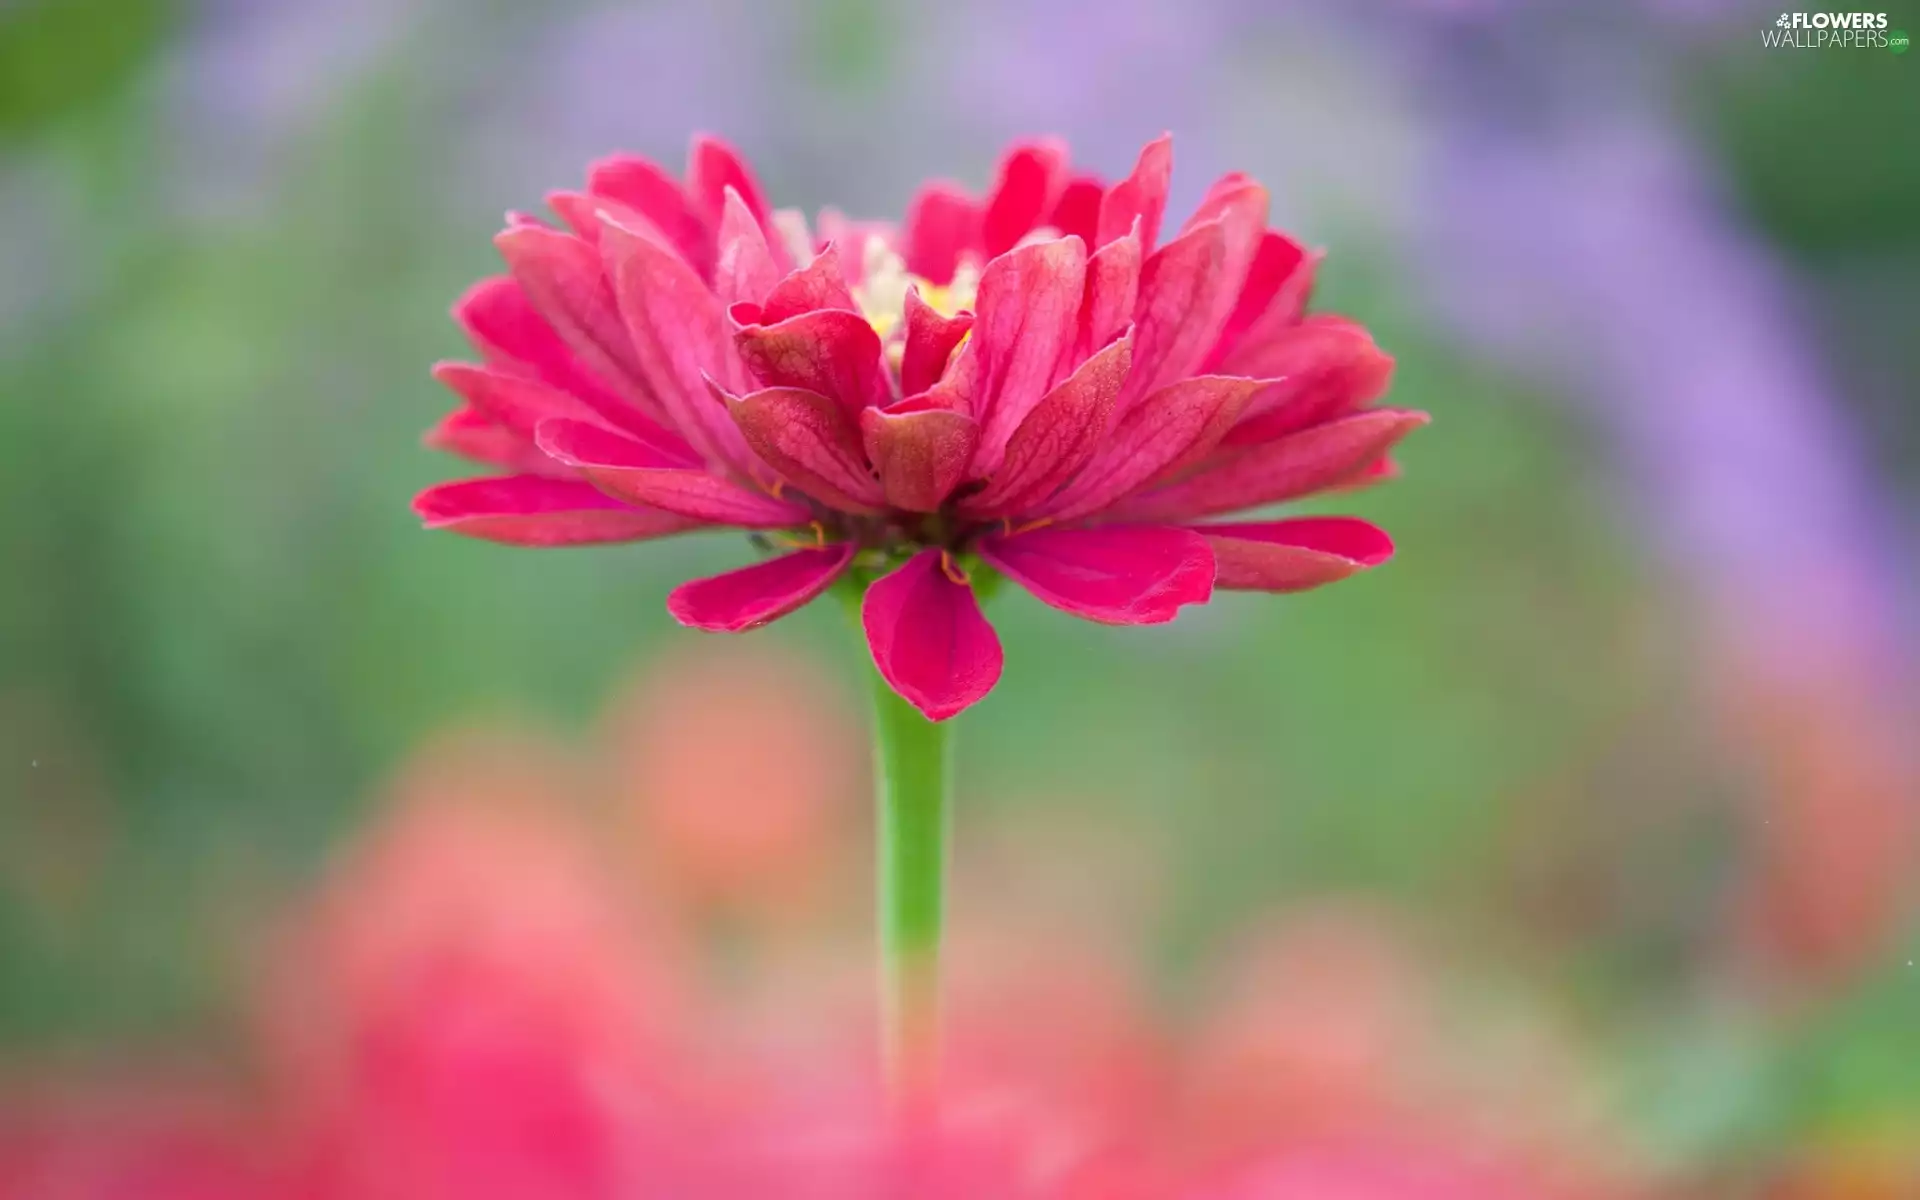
[(913, 772)]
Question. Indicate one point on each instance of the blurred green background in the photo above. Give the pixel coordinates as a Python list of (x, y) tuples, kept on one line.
[(1655, 584)]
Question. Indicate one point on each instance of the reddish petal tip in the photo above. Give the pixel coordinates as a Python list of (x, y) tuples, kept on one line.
[(1294, 555), (1114, 574), (754, 596), (929, 639)]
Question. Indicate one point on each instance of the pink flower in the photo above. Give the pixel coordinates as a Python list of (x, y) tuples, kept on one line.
[(1030, 383)]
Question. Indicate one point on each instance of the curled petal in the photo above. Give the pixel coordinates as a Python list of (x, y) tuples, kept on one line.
[(921, 452), (1171, 429), (1297, 465), (1324, 368), (747, 271), (640, 474), (958, 387), (1027, 313), (832, 352), (1057, 438), (1115, 574), (929, 343), (820, 284), (1141, 196), (929, 639), (1292, 556), (943, 223), (811, 442), (1028, 183), (531, 510), (753, 596)]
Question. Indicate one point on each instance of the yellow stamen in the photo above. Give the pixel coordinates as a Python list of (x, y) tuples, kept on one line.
[(882, 293)]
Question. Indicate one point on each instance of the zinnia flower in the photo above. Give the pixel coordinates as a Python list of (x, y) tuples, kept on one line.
[(1028, 383)]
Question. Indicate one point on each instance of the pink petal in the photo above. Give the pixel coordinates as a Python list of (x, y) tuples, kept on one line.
[(1141, 196), (928, 637), (1077, 212), (473, 435), (1028, 182), (820, 284), (1171, 429), (920, 452), (753, 596), (1057, 438), (811, 442), (1325, 367), (529, 510), (929, 343), (1113, 289), (565, 282), (1027, 312), (712, 167), (959, 386), (646, 188), (1292, 556), (1241, 201), (747, 271), (1188, 287), (1297, 465), (1115, 574), (639, 474), (943, 222), (502, 324), (1181, 286), (680, 338), (520, 403), (581, 212), (832, 352), (1271, 301)]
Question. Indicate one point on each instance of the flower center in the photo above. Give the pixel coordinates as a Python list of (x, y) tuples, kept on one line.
[(882, 293)]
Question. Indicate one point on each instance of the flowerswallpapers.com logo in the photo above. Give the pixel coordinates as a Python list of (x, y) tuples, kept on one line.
[(1831, 30)]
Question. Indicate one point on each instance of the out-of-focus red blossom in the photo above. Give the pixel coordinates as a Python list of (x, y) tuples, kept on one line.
[(1839, 836), (490, 999), (1030, 382), (474, 1009), (727, 821), (163, 1139)]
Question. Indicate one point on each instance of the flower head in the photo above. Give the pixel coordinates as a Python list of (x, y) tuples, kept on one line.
[(1030, 383)]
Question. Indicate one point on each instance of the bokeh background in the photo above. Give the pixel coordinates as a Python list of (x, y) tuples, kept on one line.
[(1616, 757)]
